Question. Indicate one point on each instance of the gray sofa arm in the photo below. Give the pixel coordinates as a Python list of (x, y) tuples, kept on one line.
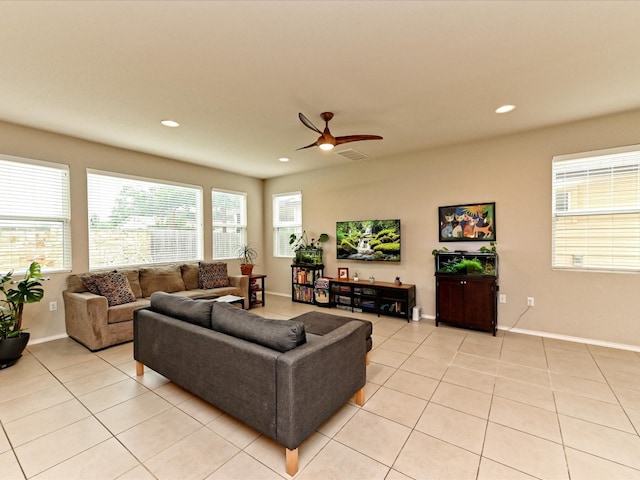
[(86, 318), (317, 379), (242, 282)]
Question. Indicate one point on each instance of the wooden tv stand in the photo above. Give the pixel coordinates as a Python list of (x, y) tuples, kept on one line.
[(382, 298)]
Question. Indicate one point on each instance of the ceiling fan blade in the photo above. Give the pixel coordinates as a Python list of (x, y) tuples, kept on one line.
[(307, 123), (356, 138), (308, 146)]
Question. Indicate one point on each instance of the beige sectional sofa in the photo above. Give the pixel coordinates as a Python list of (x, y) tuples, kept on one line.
[(98, 321)]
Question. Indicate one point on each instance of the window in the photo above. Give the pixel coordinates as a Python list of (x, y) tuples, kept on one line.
[(229, 223), (596, 210), (134, 221), (35, 219), (287, 219)]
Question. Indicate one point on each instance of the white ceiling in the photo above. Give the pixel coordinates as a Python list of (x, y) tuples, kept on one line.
[(236, 74)]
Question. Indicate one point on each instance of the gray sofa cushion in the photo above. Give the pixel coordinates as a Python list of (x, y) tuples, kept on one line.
[(321, 323), (197, 312), (280, 335)]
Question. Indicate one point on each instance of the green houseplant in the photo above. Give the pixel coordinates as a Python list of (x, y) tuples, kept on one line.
[(13, 340), (247, 256)]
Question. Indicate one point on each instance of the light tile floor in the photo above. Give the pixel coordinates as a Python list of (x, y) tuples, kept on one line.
[(442, 403)]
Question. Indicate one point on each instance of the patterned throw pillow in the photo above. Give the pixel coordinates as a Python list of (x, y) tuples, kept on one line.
[(213, 275), (91, 280), (115, 286)]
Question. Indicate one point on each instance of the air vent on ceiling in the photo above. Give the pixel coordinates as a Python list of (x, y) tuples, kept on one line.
[(352, 154)]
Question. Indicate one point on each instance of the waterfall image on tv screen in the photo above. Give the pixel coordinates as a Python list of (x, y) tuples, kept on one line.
[(368, 240)]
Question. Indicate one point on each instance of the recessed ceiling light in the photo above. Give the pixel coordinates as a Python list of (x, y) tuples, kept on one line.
[(283, 159), (170, 123), (505, 108)]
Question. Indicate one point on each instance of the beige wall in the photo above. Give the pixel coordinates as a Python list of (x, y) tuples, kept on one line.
[(515, 172), (80, 155)]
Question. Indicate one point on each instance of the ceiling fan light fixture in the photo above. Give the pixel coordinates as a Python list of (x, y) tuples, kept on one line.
[(326, 141)]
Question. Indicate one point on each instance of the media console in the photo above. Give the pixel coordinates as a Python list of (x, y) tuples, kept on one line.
[(381, 298)]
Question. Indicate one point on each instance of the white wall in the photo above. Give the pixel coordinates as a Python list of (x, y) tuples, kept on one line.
[(515, 172), (80, 155)]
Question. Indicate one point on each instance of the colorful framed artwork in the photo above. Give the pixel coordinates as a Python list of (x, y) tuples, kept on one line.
[(343, 273), (467, 222)]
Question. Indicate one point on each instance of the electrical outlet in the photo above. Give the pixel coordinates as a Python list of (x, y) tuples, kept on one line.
[(53, 306), (530, 302), (503, 298)]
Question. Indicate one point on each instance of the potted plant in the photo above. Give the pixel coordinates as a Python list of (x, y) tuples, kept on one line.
[(307, 252), (247, 256), (13, 340)]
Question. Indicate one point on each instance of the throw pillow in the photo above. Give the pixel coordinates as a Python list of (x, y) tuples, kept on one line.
[(91, 280), (115, 286), (280, 335), (213, 275), (133, 275)]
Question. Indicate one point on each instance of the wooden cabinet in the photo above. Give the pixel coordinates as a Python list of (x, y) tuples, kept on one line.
[(381, 298), (467, 290), (302, 281), (467, 301)]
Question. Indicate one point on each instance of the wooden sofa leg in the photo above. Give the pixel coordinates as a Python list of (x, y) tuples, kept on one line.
[(292, 461), (360, 397), (139, 368)]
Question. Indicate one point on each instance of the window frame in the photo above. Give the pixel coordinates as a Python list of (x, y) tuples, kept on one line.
[(595, 207), (242, 225), (198, 229), (285, 228), (35, 219)]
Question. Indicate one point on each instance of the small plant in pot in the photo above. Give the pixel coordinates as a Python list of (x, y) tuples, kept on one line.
[(13, 340), (247, 256)]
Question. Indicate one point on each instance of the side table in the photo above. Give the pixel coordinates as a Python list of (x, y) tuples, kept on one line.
[(256, 290)]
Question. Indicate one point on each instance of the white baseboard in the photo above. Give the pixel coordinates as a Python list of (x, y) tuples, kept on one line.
[(278, 294), (47, 339), (568, 338)]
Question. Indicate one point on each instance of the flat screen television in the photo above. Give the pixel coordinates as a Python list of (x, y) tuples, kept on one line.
[(368, 240)]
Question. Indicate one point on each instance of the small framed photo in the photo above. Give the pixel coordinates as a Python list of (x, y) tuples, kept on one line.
[(343, 273)]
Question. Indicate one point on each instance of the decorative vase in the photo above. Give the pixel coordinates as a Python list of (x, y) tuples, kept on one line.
[(11, 349)]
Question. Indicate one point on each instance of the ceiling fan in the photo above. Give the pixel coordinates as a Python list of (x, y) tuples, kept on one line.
[(326, 141)]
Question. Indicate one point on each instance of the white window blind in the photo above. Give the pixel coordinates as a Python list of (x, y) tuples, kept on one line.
[(136, 221), (287, 219), (229, 223), (596, 210), (35, 219)]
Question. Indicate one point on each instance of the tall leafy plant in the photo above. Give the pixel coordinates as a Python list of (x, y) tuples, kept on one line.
[(27, 290)]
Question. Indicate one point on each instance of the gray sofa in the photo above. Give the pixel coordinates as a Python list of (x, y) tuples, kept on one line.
[(96, 322), (270, 374)]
